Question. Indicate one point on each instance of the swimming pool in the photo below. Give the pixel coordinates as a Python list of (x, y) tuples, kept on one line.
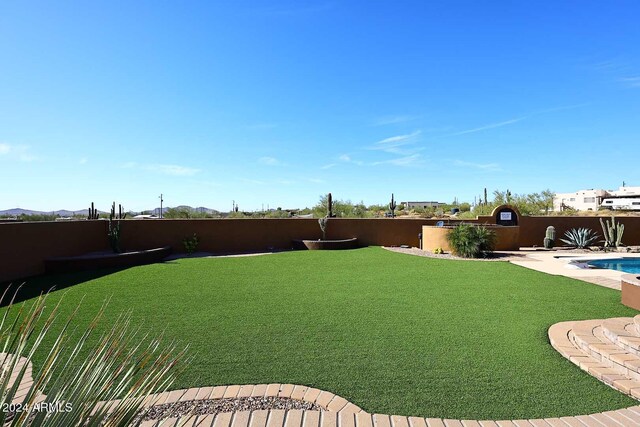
[(629, 265)]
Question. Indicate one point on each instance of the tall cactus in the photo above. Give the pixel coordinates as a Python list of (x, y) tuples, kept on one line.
[(550, 237), (330, 206), (612, 232), (114, 227), (392, 207), (93, 212)]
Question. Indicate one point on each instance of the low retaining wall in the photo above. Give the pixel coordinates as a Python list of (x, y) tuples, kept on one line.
[(507, 238), (105, 260), (631, 291)]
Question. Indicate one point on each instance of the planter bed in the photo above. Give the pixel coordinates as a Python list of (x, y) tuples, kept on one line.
[(314, 245), (98, 260)]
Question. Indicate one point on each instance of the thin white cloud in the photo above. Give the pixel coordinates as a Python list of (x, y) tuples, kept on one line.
[(561, 108), (489, 126), (395, 140), (328, 166), (316, 180), (397, 144), (413, 160), (269, 161), (19, 152), (345, 158), (631, 81), (611, 65), (490, 167), (253, 181), (174, 170), (83, 161), (392, 120)]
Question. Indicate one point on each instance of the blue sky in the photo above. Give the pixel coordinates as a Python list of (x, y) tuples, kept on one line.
[(277, 102)]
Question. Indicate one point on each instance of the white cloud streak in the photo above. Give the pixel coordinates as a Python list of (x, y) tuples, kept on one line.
[(631, 81), (19, 152), (489, 126), (269, 161), (173, 170), (413, 160), (392, 120), (489, 167)]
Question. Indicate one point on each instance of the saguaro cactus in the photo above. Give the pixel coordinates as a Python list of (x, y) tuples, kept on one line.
[(550, 237), (392, 207), (612, 232), (330, 213), (114, 227), (93, 212)]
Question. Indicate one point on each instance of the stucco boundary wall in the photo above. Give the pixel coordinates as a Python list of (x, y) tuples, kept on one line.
[(25, 245), (532, 228)]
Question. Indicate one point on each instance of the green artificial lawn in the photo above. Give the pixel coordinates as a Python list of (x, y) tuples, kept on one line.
[(392, 333)]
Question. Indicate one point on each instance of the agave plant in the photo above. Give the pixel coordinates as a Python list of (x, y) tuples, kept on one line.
[(580, 237), (470, 241), (107, 388)]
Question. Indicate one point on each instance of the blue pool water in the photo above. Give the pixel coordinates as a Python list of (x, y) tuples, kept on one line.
[(629, 265)]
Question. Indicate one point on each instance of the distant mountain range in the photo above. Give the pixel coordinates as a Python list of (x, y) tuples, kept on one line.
[(85, 212)]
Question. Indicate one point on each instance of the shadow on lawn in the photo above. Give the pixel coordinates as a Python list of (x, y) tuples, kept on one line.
[(36, 285)]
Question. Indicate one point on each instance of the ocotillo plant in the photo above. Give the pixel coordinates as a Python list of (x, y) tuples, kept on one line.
[(392, 206), (550, 237), (612, 233), (93, 212)]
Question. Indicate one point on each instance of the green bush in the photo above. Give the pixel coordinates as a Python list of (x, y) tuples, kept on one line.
[(191, 243), (470, 241)]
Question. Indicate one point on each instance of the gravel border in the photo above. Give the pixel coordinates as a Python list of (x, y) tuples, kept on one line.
[(215, 406), (494, 256)]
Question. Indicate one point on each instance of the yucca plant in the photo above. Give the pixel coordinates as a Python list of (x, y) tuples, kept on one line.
[(470, 241), (580, 237), (107, 388)]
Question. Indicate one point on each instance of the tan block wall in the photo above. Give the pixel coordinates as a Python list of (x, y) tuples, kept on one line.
[(436, 237), (631, 291)]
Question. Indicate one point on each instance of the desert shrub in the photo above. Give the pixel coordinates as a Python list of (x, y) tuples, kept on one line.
[(191, 243), (470, 241)]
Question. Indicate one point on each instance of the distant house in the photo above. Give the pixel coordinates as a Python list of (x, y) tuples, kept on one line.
[(593, 199), (422, 205)]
